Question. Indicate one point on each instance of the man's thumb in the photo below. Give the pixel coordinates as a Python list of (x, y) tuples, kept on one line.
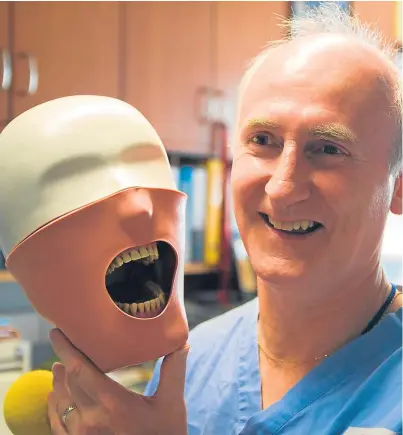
[(172, 375)]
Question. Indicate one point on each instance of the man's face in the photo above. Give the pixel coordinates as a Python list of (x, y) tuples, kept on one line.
[(312, 152)]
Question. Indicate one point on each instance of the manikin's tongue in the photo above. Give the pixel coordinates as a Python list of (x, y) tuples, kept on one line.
[(149, 307)]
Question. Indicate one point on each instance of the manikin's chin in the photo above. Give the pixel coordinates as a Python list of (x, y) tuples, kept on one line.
[(139, 279)]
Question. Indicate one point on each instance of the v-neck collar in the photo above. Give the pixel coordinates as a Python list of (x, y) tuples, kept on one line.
[(372, 348)]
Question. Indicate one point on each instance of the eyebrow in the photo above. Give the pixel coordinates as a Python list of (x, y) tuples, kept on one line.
[(332, 131), (253, 123)]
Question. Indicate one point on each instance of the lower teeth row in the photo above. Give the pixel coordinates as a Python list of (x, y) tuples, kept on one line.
[(152, 306)]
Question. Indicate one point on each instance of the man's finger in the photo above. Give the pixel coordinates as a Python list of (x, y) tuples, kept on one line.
[(56, 425), (63, 397), (79, 367), (60, 389), (172, 375)]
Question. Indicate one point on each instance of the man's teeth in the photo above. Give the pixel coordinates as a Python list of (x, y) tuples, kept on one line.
[(290, 226), (148, 254), (144, 309)]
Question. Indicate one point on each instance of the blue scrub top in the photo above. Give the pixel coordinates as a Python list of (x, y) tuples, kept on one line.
[(355, 391)]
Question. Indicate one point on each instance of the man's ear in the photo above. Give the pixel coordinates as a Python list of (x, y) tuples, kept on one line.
[(396, 204)]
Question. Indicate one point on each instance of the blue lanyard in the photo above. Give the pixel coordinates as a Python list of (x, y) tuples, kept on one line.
[(381, 311)]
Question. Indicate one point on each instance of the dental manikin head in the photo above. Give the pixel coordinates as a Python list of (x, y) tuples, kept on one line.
[(91, 226)]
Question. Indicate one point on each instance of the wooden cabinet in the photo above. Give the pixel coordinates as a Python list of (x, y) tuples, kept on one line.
[(5, 64), (64, 48), (382, 14), (160, 57), (168, 60), (56, 49), (243, 30), (176, 50)]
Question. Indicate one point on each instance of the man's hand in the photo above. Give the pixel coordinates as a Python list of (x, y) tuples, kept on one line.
[(105, 407)]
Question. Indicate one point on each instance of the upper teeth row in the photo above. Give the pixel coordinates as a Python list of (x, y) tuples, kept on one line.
[(147, 253), (289, 226)]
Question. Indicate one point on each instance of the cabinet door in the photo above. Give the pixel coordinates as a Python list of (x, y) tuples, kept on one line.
[(380, 14), (5, 64), (64, 48), (168, 60), (243, 30)]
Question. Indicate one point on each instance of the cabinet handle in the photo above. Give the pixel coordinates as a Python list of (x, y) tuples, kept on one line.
[(209, 104), (33, 73), (201, 104), (7, 70)]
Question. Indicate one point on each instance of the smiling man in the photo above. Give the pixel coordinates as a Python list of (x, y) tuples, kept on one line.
[(316, 170)]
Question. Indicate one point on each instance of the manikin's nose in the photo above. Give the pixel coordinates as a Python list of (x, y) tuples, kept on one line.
[(137, 206), (289, 183)]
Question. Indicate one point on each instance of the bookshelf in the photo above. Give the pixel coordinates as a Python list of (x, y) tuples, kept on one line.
[(203, 177)]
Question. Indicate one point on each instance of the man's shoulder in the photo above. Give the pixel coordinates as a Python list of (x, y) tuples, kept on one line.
[(216, 347), (213, 343), (223, 327), (216, 342)]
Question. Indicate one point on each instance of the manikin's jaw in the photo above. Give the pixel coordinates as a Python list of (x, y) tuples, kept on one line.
[(91, 227)]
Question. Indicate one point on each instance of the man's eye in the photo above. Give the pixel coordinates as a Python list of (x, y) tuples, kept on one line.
[(324, 147), (261, 139), (330, 149)]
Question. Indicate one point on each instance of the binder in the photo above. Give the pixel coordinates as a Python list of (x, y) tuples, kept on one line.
[(186, 186), (212, 239)]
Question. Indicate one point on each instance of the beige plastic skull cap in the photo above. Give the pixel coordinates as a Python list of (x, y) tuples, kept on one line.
[(69, 152)]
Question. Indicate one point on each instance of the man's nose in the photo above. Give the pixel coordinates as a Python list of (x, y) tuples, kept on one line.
[(289, 182)]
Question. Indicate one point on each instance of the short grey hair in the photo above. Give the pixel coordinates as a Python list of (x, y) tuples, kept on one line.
[(329, 17)]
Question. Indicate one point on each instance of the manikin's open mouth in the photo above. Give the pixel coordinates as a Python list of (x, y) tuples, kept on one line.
[(139, 280)]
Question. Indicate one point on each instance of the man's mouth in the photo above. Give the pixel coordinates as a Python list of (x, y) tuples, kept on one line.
[(297, 227), (139, 280)]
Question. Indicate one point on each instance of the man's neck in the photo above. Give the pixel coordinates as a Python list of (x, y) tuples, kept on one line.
[(301, 324)]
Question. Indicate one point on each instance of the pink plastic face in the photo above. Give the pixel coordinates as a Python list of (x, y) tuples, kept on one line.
[(94, 273)]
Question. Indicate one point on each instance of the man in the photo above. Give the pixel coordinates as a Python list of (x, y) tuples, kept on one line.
[(316, 169)]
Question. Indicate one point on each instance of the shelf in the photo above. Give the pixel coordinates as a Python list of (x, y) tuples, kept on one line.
[(190, 269), (5, 276), (189, 155), (198, 268)]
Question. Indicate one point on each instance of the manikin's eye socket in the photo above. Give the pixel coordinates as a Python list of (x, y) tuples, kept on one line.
[(139, 280)]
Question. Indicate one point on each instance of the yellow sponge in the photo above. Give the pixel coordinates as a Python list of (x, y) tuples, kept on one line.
[(26, 404)]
